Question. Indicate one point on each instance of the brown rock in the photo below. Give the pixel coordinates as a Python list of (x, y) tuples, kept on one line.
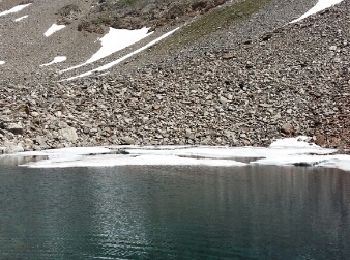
[(288, 129)]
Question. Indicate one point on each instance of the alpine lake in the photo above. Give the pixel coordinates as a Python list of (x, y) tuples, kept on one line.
[(177, 212)]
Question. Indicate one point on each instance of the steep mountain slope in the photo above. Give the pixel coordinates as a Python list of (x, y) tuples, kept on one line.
[(251, 78)]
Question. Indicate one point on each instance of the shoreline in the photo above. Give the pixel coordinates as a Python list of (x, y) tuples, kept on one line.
[(297, 152)]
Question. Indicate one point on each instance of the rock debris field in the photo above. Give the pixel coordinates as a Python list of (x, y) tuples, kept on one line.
[(287, 81)]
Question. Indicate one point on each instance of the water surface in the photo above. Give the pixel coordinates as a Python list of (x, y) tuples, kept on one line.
[(174, 213)]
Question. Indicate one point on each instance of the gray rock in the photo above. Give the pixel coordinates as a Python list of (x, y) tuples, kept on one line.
[(127, 140), (69, 134), (15, 128), (288, 129)]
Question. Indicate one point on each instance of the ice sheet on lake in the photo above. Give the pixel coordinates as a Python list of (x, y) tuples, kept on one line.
[(112, 160), (321, 5), (113, 63), (284, 152), (57, 59), (21, 18), (115, 40), (54, 28), (14, 9)]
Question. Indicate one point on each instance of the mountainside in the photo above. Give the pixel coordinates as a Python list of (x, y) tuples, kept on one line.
[(200, 72)]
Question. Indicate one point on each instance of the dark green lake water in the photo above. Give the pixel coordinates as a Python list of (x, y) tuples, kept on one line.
[(174, 213)]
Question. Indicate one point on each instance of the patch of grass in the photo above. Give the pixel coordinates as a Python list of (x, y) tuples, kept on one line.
[(221, 17)]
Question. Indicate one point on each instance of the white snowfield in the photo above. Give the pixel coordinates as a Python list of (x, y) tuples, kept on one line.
[(321, 5), (113, 63), (2, 62), (284, 152), (54, 28), (14, 9), (57, 59), (115, 40), (21, 18)]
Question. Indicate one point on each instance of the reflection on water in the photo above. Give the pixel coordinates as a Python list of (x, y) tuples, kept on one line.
[(174, 212)]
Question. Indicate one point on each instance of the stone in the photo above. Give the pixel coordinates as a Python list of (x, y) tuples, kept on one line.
[(228, 56), (288, 129), (320, 140), (15, 128), (69, 134), (127, 140)]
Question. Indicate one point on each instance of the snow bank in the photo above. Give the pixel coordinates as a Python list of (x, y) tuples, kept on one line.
[(113, 63), (285, 152), (55, 60), (115, 40), (14, 9), (21, 18), (2, 62), (321, 5), (54, 28)]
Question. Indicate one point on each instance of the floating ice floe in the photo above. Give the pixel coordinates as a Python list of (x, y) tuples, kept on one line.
[(14, 9), (113, 63), (57, 59), (54, 28), (285, 152), (21, 18), (2, 62), (321, 5), (115, 40)]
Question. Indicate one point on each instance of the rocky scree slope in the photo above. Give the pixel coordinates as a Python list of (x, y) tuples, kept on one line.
[(135, 14), (290, 81)]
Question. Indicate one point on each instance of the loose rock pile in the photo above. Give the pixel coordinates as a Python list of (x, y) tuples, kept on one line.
[(292, 81)]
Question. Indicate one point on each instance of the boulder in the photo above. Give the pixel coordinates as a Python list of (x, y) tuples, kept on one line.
[(15, 128), (69, 134)]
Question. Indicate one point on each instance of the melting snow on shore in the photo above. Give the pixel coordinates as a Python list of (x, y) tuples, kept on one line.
[(321, 5), (113, 63), (14, 9), (284, 152), (21, 18), (54, 28), (57, 59), (115, 40)]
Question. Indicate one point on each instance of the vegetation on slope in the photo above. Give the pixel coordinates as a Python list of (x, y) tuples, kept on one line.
[(219, 18)]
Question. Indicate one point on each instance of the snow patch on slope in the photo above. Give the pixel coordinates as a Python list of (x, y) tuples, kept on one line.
[(55, 60), (113, 63), (115, 40), (54, 28), (21, 18), (2, 62), (14, 9), (321, 5)]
